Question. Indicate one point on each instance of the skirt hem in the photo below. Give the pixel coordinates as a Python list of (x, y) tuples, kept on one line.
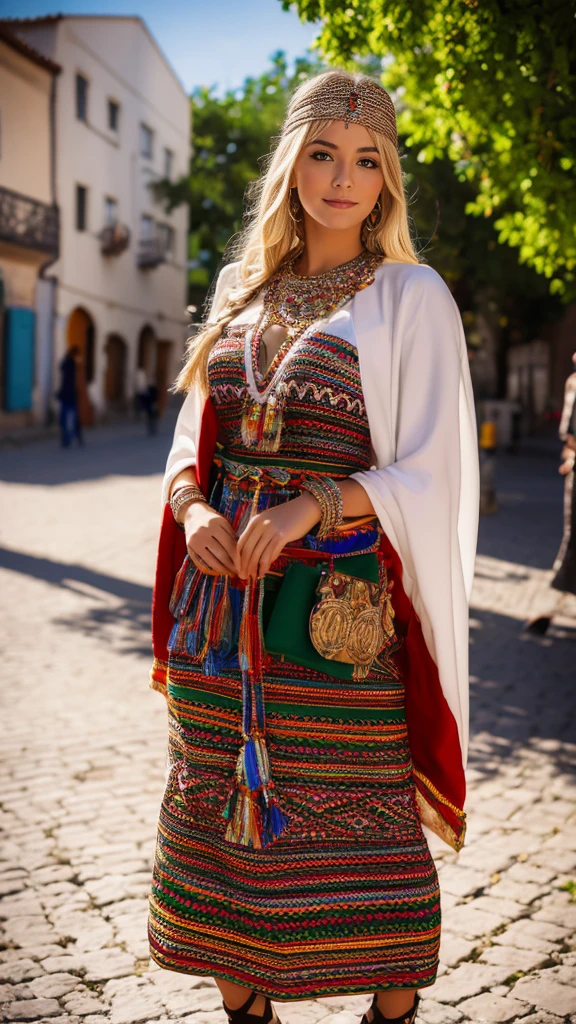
[(281, 996)]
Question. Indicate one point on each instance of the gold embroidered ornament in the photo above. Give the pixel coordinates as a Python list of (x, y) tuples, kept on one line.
[(353, 621), (295, 303)]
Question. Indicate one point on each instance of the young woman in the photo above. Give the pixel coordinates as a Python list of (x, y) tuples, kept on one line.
[(311, 613)]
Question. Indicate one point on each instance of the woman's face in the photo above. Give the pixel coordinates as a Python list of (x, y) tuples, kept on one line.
[(339, 176)]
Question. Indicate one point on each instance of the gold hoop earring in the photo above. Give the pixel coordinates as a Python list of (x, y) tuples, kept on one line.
[(375, 216), (295, 206)]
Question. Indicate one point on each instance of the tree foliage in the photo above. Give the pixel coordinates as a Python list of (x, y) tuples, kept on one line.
[(490, 85), (230, 136)]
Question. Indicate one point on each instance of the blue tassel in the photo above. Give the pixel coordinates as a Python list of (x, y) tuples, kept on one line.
[(251, 769), (192, 643), (278, 820), (213, 662), (172, 639)]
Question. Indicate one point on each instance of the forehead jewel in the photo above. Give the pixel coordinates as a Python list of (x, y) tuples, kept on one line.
[(364, 103)]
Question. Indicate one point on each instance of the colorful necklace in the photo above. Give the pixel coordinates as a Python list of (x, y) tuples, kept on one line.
[(296, 303)]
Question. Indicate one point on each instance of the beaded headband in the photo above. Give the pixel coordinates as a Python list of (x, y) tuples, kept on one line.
[(339, 99)]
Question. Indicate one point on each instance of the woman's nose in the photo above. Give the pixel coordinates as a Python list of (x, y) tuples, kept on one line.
[(343, 178)]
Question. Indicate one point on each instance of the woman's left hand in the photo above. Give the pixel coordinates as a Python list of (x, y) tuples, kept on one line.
[(267, 532)]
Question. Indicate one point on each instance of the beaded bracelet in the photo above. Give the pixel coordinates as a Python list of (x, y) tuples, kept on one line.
[(329, 497), (183, 495)]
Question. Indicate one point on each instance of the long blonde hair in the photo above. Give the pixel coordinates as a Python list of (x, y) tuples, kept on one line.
[(272, 235)]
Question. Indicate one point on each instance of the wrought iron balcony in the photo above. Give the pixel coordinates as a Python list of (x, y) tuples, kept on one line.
[(114, 239), (151, 252), (27, 222)]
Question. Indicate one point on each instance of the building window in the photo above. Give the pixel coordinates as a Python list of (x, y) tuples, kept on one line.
[(146, 140), (81, 207), (110, 210), (168, 163), (166, 237), (81, 98), (146, 226), (113, 115)]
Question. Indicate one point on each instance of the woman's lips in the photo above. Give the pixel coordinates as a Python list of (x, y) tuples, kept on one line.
[(340, 204)]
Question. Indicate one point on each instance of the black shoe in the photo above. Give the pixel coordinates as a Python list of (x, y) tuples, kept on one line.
[(408, 1017), (241, 1015), (538, 626)]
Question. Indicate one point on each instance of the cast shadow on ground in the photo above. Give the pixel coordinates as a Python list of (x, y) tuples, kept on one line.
[(124, 451), (129, 618), (522, 692), (527, 527)]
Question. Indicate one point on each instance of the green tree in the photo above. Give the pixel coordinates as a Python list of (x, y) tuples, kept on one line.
[(489, 85)]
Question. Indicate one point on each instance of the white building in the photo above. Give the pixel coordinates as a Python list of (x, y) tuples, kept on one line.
[(118, 288), (29, 232)]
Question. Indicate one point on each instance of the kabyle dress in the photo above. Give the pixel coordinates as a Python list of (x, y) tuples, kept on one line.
[(339, 893)]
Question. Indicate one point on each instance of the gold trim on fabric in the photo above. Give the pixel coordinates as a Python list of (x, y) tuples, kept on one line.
[(432, 818), (438, 795), (155, 682)]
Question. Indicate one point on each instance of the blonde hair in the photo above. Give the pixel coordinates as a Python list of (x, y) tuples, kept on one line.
[(272, 236)]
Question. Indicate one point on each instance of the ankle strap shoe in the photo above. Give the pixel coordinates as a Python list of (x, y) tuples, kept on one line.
[(377, 1017), (241, 1015)]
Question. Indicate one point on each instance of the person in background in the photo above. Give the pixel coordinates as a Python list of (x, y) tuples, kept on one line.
[(151, 406), (140, 391), (564, 567), (70, 426), (146, 398)]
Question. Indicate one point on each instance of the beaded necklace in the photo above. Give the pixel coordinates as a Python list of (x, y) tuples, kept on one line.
[(296, 303)]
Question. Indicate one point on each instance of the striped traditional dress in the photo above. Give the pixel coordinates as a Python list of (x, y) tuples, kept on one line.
[(345, 899)]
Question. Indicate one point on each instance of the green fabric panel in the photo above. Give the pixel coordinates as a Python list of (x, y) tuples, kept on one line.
[(345, 712), (309, 710), (204, 697), (286, 624)]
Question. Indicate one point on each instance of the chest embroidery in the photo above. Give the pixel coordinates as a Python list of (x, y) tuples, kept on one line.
[(299, 304), (312, 395)]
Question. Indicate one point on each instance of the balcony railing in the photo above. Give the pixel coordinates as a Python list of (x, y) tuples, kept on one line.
[(151, 252), (27, 222), (114, 239)]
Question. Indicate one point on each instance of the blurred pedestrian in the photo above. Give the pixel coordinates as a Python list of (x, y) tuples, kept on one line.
[(564, 567), (140, 394), (67, 395), (151, 407)]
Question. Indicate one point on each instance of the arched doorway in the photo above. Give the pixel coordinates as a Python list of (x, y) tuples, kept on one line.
[(147, 351), (115, 379), (82, 333), (162, 371)]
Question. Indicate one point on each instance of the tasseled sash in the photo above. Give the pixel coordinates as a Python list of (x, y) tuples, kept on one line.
[(222, 611), (253, 814)]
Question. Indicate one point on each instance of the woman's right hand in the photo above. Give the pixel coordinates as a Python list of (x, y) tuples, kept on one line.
[(210, 539)]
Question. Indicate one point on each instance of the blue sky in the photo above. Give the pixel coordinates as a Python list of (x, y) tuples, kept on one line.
[(206, 41)]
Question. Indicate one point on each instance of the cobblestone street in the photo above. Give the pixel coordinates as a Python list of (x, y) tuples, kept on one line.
[(84, 740)]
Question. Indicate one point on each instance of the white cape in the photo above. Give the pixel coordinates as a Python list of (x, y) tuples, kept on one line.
[(424, 485)]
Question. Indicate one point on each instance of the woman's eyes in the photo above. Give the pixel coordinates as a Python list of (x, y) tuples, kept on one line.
[(323, 152)]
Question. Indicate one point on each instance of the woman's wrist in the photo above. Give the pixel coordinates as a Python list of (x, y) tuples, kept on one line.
[(311, 504), (183, 497)]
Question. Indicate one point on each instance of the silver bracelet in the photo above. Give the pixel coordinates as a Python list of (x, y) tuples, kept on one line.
[(182, 496)]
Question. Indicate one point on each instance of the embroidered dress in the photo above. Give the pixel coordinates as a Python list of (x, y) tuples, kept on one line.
[(327, 885)]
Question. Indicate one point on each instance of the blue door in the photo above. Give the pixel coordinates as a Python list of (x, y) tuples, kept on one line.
[(18, 358)]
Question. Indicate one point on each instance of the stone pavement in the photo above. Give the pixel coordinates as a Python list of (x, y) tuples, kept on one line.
[(83, 757)]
